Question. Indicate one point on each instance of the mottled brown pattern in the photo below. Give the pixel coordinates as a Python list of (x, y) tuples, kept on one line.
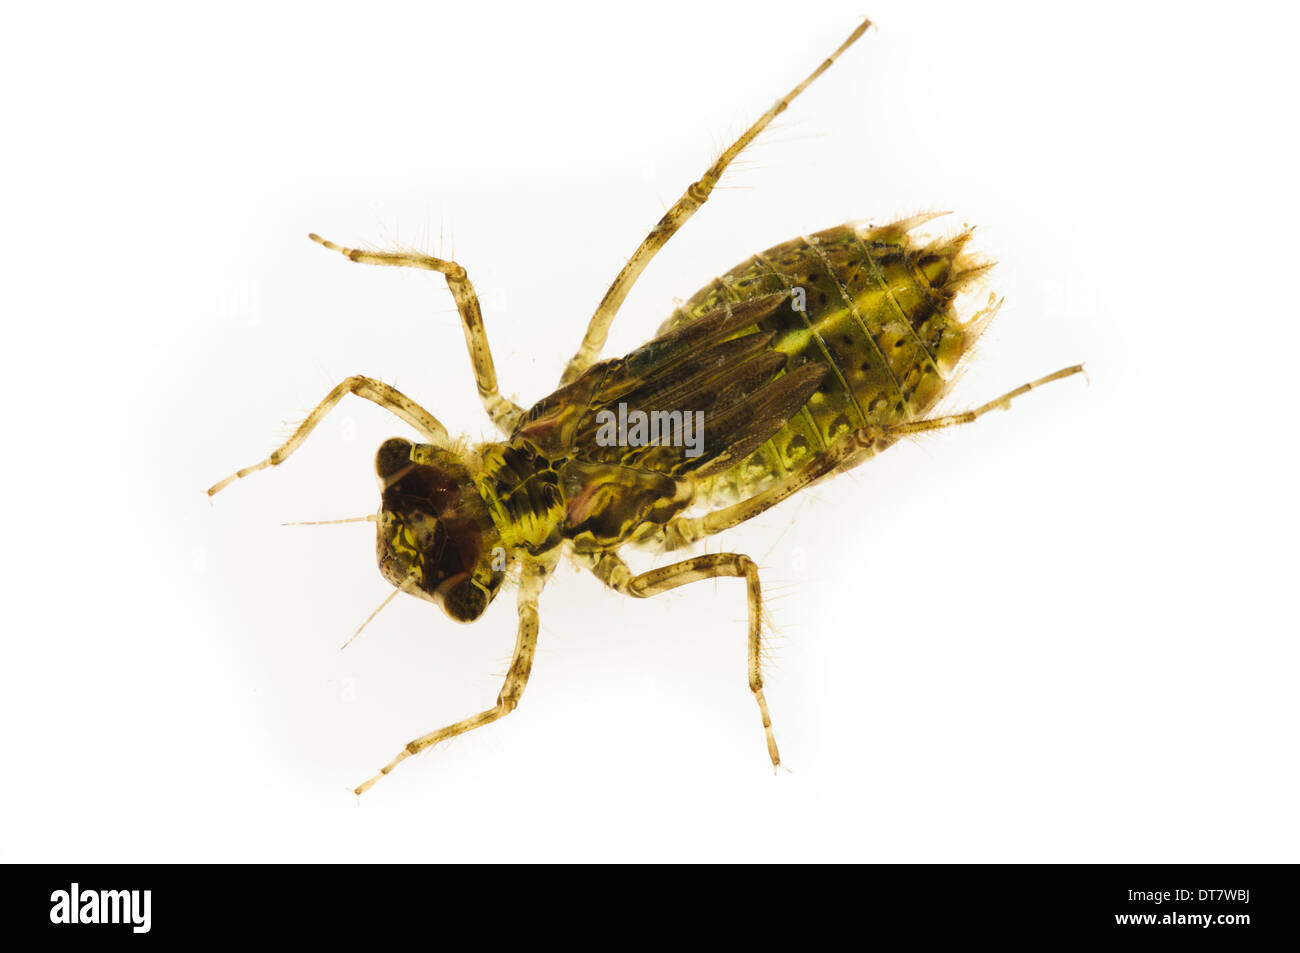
[(878, 313)]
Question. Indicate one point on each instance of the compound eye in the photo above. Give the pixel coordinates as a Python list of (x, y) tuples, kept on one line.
[(393, 456), (465, 601)]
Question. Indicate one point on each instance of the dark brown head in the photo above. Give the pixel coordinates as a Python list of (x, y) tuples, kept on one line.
[(436, 537)]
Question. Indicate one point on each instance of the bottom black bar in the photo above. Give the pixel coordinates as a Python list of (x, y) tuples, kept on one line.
[(1233, 904)]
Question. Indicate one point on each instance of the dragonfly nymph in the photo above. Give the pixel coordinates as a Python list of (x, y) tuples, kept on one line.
[(799, 363)]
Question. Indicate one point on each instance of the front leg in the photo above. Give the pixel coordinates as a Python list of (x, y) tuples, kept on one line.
[(610, 569), (504, 413), (389, 398), (530, 586)]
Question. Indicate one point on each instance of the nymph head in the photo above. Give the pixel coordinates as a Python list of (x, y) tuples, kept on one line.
[(436, 538)]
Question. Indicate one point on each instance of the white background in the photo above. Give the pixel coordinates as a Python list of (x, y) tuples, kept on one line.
[(1066, 633)]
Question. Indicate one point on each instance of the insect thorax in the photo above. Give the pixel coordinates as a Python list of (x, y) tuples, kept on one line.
[(540, 499)]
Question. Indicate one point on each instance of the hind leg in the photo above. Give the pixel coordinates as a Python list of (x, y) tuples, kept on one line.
[(849, 451)]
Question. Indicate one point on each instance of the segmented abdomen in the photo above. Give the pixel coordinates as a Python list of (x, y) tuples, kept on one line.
[(877, 309)]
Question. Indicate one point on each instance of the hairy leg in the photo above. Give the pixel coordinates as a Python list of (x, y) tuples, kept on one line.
[(504, 413), (534, 578), (610, 569), (695, 196), (850, 450), (378, 392)]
